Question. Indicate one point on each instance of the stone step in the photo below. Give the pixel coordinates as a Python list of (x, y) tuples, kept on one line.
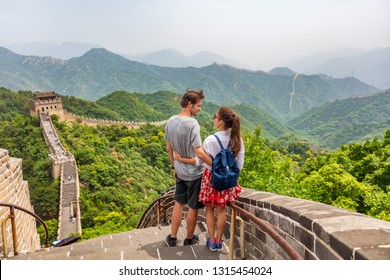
[(195, 252), (138, 244)]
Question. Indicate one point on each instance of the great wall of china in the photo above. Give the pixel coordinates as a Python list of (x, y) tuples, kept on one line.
[(315, 230)]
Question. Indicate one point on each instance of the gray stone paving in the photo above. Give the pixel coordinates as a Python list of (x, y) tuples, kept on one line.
[(138, 244)]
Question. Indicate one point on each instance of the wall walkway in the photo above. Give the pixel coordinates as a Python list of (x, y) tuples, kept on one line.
[(95, 122), (64, 167), (316, 231)]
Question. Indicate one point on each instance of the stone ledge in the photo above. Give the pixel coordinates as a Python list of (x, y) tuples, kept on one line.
[(365, 243)]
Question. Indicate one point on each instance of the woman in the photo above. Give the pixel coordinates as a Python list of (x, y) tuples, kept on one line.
[(229, 130)]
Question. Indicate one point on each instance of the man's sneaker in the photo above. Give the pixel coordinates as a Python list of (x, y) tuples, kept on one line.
[(219, 246), (170, 241), (212, 245), (194, 240)]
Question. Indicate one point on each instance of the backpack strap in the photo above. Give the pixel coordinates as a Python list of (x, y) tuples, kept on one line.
[(220, 143)]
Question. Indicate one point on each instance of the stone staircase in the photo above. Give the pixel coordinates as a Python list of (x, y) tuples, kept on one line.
[(138, 244)]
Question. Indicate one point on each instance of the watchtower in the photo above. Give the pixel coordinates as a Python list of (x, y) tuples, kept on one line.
[(48, 103)]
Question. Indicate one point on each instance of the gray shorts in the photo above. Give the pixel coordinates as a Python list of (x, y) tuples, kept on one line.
[(187, 192)]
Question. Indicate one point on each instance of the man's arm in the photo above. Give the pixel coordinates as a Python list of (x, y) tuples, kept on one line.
[(203, 156)]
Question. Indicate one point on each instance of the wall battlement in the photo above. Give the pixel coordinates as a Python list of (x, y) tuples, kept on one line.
[(316, 231), (14, 190), (95, 122)]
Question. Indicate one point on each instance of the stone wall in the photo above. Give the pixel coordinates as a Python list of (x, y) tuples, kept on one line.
[(14, 190), (49, 107), (95, 122), (316, 231), (64, 167)]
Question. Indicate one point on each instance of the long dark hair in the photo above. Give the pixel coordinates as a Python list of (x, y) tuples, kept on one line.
[(232, 121)]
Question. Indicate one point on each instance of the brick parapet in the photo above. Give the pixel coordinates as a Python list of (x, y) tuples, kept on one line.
[(14, 190), (316, 231)]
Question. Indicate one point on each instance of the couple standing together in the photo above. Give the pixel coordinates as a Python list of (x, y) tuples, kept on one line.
[(192, 168)]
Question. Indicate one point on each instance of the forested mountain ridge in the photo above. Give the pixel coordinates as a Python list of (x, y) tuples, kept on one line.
[(162, 105), (345, 121), (99, 72), (141, 107), (113, 161)]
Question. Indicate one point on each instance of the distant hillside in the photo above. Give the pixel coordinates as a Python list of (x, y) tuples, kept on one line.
[(163, 104), (89, 109), (121, 105), (65, 50), (369, 66), (251, 117), (174, 58), (343, 121), (100, 72), (130, 106)]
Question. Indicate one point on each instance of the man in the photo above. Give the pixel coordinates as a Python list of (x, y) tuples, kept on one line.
[(182, 134)]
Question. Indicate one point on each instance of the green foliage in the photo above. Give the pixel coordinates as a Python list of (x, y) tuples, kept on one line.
[(12, 104), (22, 137), (340, 122), (265, 169), (355, 177), (52, 229), (99, 72), (113, 161), (332, 185), (90, 109), (130, 106), (106, 223)]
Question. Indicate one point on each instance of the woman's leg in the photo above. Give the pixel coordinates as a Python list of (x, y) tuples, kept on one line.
[(221, 222), (210, 221)]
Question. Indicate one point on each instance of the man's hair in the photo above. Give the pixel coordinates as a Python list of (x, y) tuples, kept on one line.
[(192, 96)]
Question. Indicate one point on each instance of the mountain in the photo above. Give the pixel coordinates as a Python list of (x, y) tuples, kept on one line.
[(282, 71), (166, 57), (65, 50), (369, 66), (99, 72), (121, 105), (173, 58), (307, 64), (354, 119), (130, 107)]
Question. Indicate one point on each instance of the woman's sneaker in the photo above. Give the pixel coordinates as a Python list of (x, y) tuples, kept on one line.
[(212, 245), (219, 246)]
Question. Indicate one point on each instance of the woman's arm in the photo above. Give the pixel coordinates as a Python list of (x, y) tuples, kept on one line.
[(170, 153), (178, 157), (203, 156)]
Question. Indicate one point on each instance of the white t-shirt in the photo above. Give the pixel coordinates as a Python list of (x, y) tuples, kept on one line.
[(211, 147)]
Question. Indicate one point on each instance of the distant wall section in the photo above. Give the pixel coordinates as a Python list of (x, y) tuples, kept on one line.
[(95, 122)]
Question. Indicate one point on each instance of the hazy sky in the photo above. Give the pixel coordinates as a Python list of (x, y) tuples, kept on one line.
[(260, 33)]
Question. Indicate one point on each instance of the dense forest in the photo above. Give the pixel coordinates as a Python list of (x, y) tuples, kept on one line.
[(113, 161)]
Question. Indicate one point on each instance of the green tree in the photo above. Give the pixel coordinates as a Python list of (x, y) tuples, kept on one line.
[(265, 169)]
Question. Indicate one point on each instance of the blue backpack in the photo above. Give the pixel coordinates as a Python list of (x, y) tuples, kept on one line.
[(225, 171)]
